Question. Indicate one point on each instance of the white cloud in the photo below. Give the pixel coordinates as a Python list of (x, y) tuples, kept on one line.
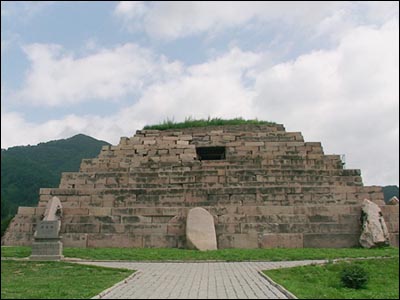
[(130, 9), (172, 20), (58, 78), (214, 88), (346, 97), (15, 130), (376, 11)]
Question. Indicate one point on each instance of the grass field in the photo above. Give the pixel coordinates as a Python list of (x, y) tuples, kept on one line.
[(55, 280), (26, 279), (323, 282), (141, 254)]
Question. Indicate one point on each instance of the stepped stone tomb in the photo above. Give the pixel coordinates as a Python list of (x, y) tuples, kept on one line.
[(258, 186)]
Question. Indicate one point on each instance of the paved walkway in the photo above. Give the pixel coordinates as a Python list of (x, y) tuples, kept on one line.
[(203, 280)]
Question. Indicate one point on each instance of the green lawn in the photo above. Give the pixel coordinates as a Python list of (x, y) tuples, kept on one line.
[(29, 279), (141, 254), (55, 280), (323, 282)]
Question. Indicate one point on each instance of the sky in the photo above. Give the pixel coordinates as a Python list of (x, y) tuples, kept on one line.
[(327, 69)]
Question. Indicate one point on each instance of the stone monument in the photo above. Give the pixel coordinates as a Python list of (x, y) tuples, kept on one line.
[(200, 230), (47, 243)]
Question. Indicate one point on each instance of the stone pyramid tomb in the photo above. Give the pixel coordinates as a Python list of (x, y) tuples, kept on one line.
[(264, 188)]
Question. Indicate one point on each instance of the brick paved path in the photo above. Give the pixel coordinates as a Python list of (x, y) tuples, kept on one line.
[(204, 280)]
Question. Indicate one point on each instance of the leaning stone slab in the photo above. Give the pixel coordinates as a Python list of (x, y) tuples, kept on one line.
[(393, 201), (374, 231), (200, 230), (53, 210)]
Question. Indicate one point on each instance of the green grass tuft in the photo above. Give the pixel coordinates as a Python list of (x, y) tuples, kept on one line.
[(189, 122)]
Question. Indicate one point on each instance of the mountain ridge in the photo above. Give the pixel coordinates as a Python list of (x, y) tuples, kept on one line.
[(25, 169)]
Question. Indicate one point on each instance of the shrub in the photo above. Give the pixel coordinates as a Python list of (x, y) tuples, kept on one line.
[(354, 276)]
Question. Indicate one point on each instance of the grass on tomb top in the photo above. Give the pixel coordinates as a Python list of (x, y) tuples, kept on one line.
[(189, 122), (158, 254)]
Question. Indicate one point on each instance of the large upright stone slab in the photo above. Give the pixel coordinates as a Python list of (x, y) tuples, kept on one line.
[(374, 231), (200, 230)]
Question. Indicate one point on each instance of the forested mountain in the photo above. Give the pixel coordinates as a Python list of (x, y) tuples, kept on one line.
[(25, 169)]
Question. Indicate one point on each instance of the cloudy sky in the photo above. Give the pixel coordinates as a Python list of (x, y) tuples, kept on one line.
[(106, 69)]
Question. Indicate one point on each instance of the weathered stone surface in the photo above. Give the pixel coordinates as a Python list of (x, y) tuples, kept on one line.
[(374, 231), (47, 250), (48, 230), (332, 240), (74, 240), (270, 189), (393, 201), (53, 210), (200, 230), (239, 240), (47, 244), (22, 210), (283, 240)]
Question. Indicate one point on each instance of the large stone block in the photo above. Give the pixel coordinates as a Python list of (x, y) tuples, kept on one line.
[(78, 240), (146, 228), (200, 230), (75, 211), (99, 211), (282, 240), (160, 241), (136, 219), (112, 228), (48, 229), (47, 250), (243, 241), (23, 210), (227, 228), (394, 239), (333, 240), (126, 240), (374, 231), (82, 228)]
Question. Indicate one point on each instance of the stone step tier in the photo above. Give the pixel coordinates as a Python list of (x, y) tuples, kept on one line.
[(265, 145), (271, 189), (250, 226), (204, 178)]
